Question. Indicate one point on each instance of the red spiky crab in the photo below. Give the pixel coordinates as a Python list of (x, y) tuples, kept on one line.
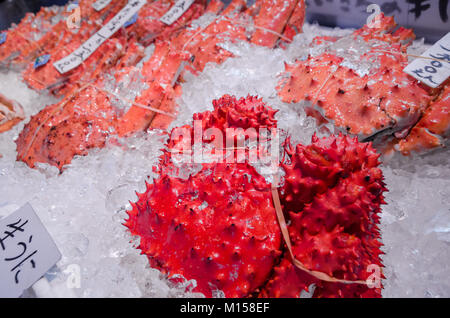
[(219, 225), (357, 82)]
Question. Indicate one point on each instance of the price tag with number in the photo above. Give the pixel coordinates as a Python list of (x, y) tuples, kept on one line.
[(27, 251), (434, 68)]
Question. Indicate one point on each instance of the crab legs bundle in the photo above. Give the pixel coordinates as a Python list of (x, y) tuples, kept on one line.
[(89, 112)]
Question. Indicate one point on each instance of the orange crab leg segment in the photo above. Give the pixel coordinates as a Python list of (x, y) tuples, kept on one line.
[(215, 6), (160, 89), (294, 25), (273, 16), (432, 127), (11, 113)]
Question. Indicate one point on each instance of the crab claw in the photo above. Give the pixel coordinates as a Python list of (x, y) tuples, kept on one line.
[(431, 129), (11, 112)]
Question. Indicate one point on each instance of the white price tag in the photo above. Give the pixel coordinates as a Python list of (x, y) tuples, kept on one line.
[(87, 48), (435, 68), (176, 11), (27, 251), (99, 5)]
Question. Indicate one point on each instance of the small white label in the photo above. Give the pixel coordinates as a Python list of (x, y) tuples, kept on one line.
[(176, 11), (27, 251), (435, 68), (99, 5), (87, 48)]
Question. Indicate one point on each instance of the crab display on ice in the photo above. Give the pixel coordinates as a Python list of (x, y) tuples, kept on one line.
[(87, 112), (219, 225), (357, 82), (229, 228)]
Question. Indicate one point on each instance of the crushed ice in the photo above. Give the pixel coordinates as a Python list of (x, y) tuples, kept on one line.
[(83, 208)]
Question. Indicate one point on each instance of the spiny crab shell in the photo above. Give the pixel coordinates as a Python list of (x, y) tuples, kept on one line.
[(332, 195), (218, 226), (357, 82)]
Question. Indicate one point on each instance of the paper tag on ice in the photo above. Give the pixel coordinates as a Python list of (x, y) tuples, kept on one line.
[(176, 11), (27, 251), (435, 68), (2, 38), (41, 60), (131, 21), (87, 48), (99, 5)]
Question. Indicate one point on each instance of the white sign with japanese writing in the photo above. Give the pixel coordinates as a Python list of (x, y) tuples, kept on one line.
[(87, 48), (434, 69), (27, 251), (99, 5), (176, 11)]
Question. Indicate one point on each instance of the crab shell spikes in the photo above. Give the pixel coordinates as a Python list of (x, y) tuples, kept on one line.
[(218, 227), (334, 218)]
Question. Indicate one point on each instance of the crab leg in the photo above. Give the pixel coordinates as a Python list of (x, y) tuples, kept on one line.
[(432, 127), (204, 43), (159, 92), (147, 28), (215, 6), (273, 16), (47, 76), (11, 113), (294, 25)]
